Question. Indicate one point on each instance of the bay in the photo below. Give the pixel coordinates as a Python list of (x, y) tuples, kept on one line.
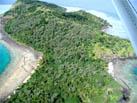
[(5, 58)]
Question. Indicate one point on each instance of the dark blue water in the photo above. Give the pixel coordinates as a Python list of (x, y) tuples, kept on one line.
[(4, 58)]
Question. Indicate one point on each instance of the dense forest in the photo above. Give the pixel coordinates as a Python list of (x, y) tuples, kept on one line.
[(75, 52)]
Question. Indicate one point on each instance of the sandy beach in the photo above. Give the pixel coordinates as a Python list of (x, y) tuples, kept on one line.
[(24, 61)]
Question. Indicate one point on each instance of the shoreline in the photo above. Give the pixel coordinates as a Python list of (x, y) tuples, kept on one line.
[(24, 62), (122, 72)]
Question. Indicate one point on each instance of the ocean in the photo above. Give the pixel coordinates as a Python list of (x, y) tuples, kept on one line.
[(5, 58)]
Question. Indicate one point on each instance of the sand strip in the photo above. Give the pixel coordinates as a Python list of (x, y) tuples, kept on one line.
[(23, 64)]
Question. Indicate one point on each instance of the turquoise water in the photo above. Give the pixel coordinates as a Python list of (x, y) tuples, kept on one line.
[(128, 73), (135, 71), (4, 58)]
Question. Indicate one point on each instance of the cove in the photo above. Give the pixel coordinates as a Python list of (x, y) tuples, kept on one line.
[(4, 58)]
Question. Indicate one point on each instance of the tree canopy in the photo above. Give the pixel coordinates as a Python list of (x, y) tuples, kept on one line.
[(73, 69)]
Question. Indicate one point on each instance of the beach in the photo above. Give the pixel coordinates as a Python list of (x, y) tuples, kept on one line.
[(24, 61)]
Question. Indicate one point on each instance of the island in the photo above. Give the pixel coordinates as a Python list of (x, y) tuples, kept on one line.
[(75, 54)]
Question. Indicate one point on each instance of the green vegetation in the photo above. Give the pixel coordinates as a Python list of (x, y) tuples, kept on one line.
[(73, 69)]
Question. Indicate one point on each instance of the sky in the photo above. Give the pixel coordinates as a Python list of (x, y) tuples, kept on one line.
[(99, 5), (2, 2)]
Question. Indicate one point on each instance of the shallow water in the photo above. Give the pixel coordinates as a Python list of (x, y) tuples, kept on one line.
[(134, 71), (4, 58), (127, 71)]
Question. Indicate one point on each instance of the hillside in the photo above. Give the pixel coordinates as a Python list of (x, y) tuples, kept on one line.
[(75, 50)]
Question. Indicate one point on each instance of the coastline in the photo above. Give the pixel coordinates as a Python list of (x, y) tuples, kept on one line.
[(115, 64), (123, 73), (24, 61), (116, 28)]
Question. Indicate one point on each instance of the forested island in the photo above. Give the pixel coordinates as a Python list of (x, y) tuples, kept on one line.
[(75, 54)]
